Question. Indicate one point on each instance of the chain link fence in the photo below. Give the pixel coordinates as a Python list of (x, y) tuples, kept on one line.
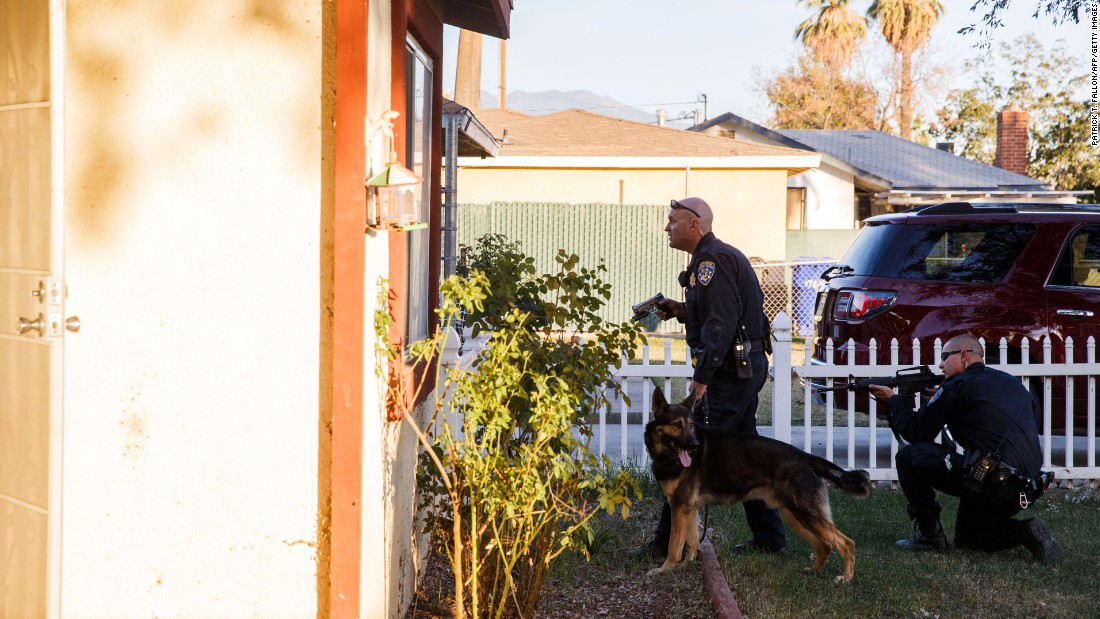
[(639, 264), (791, 287)]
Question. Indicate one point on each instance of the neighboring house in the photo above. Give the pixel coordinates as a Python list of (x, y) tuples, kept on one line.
[(191, 420), (577, 157), (865, 173)]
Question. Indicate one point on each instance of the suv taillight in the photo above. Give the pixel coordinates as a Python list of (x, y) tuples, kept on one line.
[(860, 304)]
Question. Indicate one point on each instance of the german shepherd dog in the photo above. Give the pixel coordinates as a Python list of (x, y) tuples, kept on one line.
[(696, 467)]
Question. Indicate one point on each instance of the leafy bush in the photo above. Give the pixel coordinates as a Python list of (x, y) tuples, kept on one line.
[(512, 280), (515, 483)]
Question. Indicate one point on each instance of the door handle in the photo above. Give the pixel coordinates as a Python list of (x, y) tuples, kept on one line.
[(1076, 313), (25, 324)]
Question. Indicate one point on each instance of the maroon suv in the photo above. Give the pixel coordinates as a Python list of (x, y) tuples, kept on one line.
[(995, 270)]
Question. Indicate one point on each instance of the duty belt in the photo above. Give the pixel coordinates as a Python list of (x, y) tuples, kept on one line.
[(752, 345), (757, 344)]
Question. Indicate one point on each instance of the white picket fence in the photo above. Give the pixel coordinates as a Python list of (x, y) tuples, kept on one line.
[(855, 444)]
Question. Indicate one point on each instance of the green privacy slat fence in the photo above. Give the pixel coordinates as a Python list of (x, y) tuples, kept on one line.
[(630, 239)]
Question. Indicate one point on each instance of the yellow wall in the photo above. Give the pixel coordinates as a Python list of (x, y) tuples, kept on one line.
[(749, 205)]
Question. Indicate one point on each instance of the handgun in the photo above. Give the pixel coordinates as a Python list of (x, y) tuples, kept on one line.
[(908, 381), (643, 309)]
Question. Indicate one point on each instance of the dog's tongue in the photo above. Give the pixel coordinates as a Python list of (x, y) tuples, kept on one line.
[(685, 458)]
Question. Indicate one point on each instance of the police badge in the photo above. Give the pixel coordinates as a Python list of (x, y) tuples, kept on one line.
[(706, 272)]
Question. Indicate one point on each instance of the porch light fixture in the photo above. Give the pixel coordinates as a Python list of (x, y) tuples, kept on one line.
[(393, 193)]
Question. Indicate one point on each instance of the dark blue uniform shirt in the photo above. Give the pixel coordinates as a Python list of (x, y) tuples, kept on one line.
[(711, 310), (985, 409)]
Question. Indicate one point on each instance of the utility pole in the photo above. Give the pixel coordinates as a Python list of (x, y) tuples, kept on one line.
[(502, 91), (468, 71)]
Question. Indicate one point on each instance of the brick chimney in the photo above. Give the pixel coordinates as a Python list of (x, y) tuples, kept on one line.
[(1012, 140)]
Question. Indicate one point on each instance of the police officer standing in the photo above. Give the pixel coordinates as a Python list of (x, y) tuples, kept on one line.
[(993, 418), (723, 302)]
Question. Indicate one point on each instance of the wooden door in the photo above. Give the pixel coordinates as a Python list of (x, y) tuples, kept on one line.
[(25, 278)]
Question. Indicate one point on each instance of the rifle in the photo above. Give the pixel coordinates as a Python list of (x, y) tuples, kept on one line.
[(908, 381), (643, 309)]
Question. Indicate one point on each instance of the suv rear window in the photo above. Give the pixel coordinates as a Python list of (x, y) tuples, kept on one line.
[(981, 253), (871, 244)]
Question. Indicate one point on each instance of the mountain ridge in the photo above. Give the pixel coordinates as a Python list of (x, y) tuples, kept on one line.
[(550, 101)]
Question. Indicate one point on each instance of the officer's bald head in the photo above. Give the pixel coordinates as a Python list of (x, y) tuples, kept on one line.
[(968, 342), (700, 209)]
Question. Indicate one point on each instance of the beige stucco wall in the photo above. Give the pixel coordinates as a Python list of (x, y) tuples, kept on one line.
[(193, 170), (830, 197), (749, 205)]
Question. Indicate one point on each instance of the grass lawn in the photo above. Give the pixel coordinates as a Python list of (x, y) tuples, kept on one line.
[(888, 582), (894, 583)]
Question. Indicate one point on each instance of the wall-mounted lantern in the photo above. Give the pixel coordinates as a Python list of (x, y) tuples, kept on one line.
[(393, 194)]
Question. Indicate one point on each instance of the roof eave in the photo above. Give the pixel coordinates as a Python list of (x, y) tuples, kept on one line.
[(751, 126), (872, 181), (799, 163), (474, 139), (491, 17)]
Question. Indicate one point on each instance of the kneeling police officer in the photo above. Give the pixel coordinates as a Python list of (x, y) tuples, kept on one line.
[(994, 419)]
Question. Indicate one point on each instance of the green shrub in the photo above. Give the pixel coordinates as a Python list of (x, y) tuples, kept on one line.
[(515, 484)]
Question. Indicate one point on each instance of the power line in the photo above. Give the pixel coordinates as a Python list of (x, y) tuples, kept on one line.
[(585, 106)]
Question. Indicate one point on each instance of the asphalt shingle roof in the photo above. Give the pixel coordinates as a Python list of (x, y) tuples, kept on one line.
[(577, 133), (908, 165)]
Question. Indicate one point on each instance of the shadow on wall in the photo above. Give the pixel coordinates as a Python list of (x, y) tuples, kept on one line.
[(167, 104)]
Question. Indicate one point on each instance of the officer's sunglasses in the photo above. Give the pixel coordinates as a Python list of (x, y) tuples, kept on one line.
[(945, 355), (674, 205)]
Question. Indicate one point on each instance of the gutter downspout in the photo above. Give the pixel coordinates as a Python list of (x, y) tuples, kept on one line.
[(450, 196)]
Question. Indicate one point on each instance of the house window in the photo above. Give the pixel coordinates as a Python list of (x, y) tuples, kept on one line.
[(418, 156), (796, 208), (863, 208)]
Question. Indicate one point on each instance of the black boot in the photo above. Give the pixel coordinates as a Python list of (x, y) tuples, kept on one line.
[(928, 534), (1038, 538), (656, 548), (757, 546)]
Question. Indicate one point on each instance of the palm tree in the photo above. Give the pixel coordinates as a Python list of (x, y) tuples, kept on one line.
[(833, 33), (906, 25)]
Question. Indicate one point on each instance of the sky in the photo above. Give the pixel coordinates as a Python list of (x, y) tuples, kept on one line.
[(658, 54)]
